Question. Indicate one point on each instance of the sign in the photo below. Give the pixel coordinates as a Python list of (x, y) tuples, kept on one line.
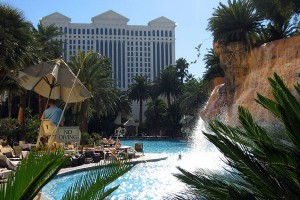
[(68, 134)]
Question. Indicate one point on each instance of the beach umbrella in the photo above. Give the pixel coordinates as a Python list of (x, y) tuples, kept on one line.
[(53, 80)]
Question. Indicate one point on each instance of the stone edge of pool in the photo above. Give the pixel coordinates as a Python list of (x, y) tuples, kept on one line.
[(142, 159)]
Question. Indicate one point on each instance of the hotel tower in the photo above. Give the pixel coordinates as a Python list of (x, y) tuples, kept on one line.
[(134, 50)]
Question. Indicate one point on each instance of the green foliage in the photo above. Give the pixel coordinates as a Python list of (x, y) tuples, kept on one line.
[(39, 167), (182, 68), (212, 65), (155, 115), (193, 97), (237, 22), (260, 164), (32, 124), (86, 139), (94, 184), (9, 128)]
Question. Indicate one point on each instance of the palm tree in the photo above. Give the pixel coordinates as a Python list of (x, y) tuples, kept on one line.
[(16, 40), (261, 164), (139, 91), (36, 170), (155, 114), (48, 49), (182, 68), (13, 89), (212, 65), (168, 83), (237, 22), (95, 76), (193, 97), (279, 13)]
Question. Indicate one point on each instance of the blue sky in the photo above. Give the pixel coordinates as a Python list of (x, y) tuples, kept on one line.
[(191, 17)]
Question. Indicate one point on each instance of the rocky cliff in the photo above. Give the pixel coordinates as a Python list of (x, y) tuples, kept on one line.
[(246, 74)]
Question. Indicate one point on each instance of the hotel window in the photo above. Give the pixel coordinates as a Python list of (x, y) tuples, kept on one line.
[(60, 29), (66, 30), (83, 41), (136, 53), (131, 33), (136, 33), (101, 31), (136, 43), (83, 31), (157, 33), (110, 31), (79, 31), (128, 48), (70, 31), (92, 42), (88, 31), (141, 33), (119, 31), (78, 41), (141, 43), (166, 33), (141, 48), (170, 33), (92, 31), (145, 33), (162, 33), (153, 32), (105, 31), (127, 32), (141, 53), (97, 31), (123, 31), (74, 31)]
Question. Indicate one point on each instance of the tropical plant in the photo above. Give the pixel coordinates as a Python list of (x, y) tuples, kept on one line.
[(49, 48), (39, 167), (279, 14), (193, 97), (212, 65), (154, 114), (13, 89), (139, 91), (16, 40), (94, 74), (237, 22), (182, 68), (9, 129), (168, 84), (261, 164)]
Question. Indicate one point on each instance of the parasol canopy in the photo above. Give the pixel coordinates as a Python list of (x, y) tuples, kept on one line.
[(53, 80)]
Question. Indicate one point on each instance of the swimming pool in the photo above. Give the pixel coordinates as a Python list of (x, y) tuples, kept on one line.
[(152, 180)]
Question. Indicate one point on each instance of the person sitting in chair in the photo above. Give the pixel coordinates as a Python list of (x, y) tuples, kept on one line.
[(53, 113)]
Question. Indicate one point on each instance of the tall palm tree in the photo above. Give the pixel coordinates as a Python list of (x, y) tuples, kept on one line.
[(168, 83), (139, 91), (155, 114), (261, 164), (95, 76), (193, 97), (13, 89), (182, 68), (48, 49), (16, 40), (279, 13), (237, 22), (212, 65)]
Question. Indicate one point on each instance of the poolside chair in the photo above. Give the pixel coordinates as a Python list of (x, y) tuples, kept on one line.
[(6, 163), (17, 151), (88, 156), (138, 147)]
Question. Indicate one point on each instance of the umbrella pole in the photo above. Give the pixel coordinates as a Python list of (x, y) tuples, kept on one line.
[(67, 98)]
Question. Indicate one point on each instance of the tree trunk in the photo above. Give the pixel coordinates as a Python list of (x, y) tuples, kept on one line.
[(84, 113), (169, 100), (141, 111), (41, 106), (9, 103), (21, 114)]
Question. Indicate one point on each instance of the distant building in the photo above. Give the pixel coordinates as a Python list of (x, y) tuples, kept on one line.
[(134, 50)]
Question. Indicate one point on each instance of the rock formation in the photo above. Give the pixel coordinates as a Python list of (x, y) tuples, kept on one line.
[(246, 74)]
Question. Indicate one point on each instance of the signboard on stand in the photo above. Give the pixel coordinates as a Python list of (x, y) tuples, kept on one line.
[(68, 134)]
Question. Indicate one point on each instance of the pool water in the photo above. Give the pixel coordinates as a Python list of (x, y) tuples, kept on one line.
[(152, 180)]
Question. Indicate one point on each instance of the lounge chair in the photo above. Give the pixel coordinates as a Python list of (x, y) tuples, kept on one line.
[(6, 163), (139, 147), (18, 151)]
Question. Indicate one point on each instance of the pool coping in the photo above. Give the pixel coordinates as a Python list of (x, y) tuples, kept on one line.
[(141, 159)]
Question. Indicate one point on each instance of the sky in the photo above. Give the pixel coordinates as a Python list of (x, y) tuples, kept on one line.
[(191, 17)]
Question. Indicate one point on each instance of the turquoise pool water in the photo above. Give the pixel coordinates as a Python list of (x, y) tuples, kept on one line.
[(152, 180)]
